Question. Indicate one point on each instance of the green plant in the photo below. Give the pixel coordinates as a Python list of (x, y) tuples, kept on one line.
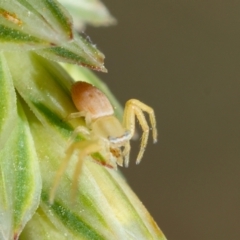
[(35, 98)]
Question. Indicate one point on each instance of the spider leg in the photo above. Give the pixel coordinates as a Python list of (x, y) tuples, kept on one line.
[(60, 171), (117, 153), (129, 124), (120, 161), (75, 115), (87, 148), (80, 129), (135, 107), (86, 115), (69, 152), (142, 120), (128, 118), (151, 113), (126, 153)]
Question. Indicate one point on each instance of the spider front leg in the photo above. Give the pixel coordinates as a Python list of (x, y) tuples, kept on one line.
[(87, 148), (68, 154), (136, 108), (60, 172), (130, 122), (84, 148)]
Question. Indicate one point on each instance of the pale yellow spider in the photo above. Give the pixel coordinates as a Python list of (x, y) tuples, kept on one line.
[(103, 131)]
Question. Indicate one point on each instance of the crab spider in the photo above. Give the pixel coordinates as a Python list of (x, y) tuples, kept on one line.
[(103, 131)]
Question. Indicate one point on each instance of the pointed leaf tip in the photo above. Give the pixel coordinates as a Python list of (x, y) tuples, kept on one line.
[(80, 51)]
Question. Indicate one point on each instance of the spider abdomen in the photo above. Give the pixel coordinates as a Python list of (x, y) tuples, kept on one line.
[(90, 99)]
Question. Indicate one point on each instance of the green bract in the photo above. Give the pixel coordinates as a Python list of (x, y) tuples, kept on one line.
[(88, 12), (35, 100)]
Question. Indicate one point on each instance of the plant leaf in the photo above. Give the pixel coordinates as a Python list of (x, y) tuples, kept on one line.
[(32, 24), (91, 12), (80, 51), (45, 26), (23, 69), (44, 230), (8, 110), (20, 181)]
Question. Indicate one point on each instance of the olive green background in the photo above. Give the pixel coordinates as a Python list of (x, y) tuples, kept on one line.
[(182, 58)]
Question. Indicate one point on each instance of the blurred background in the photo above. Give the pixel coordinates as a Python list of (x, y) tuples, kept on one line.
[(182, 58)]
